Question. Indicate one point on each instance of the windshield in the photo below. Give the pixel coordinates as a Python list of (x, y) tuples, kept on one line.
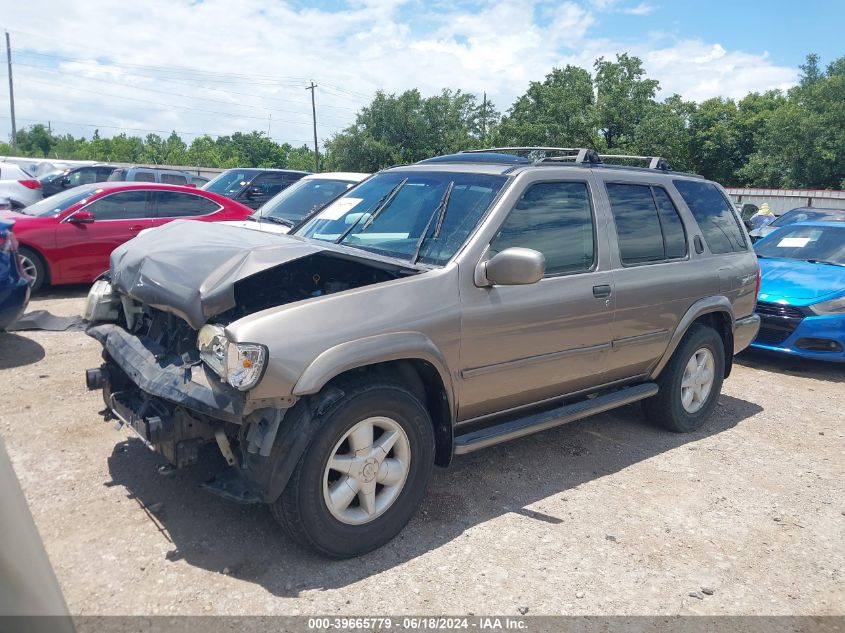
[(806, 243), (411, 215), (231, 182), (809, 215), (50, 177), (54, 205), (301, 199)]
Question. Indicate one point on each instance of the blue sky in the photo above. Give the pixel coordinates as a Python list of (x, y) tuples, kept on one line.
[(212, 66)]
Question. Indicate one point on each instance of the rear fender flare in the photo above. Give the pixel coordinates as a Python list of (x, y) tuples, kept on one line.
[(708, 305)]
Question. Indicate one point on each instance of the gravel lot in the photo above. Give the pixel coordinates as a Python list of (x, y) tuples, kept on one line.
[(603, 516)]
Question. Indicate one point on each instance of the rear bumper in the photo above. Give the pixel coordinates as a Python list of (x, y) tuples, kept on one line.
[(745, 331)]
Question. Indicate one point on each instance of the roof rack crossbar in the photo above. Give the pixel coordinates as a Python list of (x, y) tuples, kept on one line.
[(654, 162), (575, 154)]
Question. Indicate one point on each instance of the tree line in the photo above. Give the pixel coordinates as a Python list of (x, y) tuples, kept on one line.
[(793, 138)]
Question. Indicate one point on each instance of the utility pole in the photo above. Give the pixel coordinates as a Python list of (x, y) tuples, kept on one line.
[(314, 118), (11, 90)]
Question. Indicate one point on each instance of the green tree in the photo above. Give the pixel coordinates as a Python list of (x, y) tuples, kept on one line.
[(716, 139), (559, 111), (664, 131), (35, 140), (623, 97)]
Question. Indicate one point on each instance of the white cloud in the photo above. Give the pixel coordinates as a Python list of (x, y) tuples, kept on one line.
[(253, 59), (641, 9)]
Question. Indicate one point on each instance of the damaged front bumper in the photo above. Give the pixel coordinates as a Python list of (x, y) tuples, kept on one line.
[(175, 407)]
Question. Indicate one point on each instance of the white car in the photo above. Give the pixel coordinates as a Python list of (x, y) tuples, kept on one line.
[(304, 197), (17, 188)]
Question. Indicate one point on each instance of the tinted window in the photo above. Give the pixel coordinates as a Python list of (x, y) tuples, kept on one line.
[(556, 219), (173, 179), (117, 175), (231, 182), (714, 215), (104, 172), (674, 236), (123, 205), (83, 176), (144, 176), (270, 183), (637, 225), (175, 204)]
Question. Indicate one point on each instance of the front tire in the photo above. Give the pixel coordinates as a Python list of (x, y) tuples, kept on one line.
[(690, 383), (365, 473), (34, 266)]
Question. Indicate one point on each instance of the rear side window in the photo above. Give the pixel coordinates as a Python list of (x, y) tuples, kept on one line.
[(714, 215), (648, 226), (144, 176), (271, 183), (123, 205), (173, 179), (555, 218), (117, 175), (175, 204)]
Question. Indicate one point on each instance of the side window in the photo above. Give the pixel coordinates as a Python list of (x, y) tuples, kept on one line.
[(144, 176), (714, 215), (83, 176), (270, 183), (555, 218), (175, 204), (123, 205), (103, 173), (173, 179), (648, 227)]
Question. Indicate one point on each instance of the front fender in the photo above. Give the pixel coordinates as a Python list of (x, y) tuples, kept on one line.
[(708, 305), (369, 351)]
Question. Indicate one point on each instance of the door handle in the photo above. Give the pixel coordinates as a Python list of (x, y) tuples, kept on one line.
[(601, 292), (136, 227)]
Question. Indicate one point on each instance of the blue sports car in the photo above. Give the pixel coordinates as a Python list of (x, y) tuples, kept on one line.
[(14, 285), (802, 292)]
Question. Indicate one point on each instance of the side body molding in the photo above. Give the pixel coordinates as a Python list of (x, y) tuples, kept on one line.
[(701, 307), (370, 350)]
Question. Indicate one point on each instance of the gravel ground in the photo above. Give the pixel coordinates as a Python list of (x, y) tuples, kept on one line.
[(603, 516)]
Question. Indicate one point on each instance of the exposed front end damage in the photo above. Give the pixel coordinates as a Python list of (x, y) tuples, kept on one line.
[(156, 376)]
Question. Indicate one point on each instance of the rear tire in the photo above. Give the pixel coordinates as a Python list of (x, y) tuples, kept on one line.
[(690, 383), (34, 266), (383, 490)]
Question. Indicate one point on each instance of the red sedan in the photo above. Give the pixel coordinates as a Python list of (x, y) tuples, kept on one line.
[(67, 238)]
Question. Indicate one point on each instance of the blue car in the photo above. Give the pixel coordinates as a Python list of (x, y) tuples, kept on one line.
[(802, 292), (14, 285)]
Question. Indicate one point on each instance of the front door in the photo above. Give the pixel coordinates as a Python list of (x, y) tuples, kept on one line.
[(525, 344), (84, 249)]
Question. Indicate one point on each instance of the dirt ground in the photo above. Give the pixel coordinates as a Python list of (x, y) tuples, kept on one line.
[(603, 516)]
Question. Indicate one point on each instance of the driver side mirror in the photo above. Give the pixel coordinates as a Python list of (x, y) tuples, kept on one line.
[(81, 217), (512, 267), (64, 181)]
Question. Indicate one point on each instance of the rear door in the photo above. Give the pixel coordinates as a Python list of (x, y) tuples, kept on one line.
[(84, 249), (656, 278)]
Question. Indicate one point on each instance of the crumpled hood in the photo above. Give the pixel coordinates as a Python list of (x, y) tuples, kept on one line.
[(190, 268), (803, 282)]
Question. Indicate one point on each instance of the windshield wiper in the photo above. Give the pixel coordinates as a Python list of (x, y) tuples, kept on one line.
[(282, 221), (822, 261), (380, 206), (439, 212)]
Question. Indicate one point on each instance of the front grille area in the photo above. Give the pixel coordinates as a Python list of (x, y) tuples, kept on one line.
[(777, 322)]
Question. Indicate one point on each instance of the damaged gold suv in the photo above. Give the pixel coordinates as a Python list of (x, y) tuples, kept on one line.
[(434, 309)]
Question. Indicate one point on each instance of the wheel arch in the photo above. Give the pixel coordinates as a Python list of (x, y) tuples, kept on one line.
[(48, 266), (715, 312)]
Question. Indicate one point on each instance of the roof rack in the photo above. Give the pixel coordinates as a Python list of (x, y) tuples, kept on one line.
[(576, 155)]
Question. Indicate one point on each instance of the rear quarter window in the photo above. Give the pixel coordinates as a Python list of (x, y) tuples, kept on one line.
[(714, 215)]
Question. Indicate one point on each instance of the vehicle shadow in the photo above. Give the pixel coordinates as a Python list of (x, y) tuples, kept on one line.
[(18, 351), (791, 365), (244, 541)]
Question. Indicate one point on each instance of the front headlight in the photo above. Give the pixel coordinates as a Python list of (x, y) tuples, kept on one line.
[(239, 364), (833, 306)]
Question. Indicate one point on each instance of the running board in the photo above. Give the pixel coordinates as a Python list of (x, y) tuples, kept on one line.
[(482, 438)]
